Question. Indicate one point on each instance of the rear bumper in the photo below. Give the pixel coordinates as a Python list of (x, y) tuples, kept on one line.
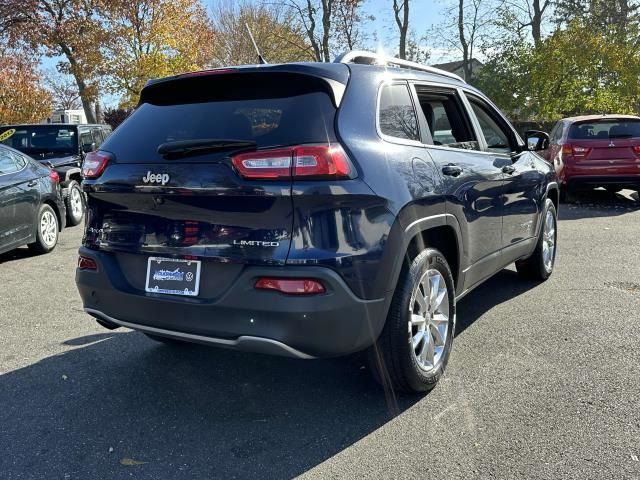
[(240, 317), (588, 181), (584, 175)]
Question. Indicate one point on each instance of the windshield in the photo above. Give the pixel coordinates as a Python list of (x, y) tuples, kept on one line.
[(605, 129), (41, 141)]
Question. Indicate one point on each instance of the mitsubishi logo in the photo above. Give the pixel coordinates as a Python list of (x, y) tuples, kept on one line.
[(611, 144)]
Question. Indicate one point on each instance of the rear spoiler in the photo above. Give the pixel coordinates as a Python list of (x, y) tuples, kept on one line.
[(335, 76)]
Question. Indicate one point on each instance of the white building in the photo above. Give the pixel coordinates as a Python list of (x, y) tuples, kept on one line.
[(67, 116)]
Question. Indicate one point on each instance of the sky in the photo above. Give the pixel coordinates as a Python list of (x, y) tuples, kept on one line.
[(424, 14)]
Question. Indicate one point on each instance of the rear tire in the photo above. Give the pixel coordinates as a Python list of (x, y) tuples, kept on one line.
[(414, 347), (75, 204), (539, 266), (47, 231), (566, 196)]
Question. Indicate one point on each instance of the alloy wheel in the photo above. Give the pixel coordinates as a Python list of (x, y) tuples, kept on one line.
[(429, 319), (48, 228), (549, 241)]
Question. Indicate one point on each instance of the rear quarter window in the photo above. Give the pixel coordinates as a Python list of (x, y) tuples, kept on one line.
[(271, 110)]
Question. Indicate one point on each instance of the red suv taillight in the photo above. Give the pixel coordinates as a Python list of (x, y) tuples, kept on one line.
[(53, 175), (94, 164), (574, 151), (302, 162), (291, 286)]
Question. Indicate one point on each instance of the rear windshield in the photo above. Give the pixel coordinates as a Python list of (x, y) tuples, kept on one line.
[(41, 140), (605, 129), (269, 109)]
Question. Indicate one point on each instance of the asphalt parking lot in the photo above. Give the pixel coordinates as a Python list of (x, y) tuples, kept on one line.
[(543, 382)]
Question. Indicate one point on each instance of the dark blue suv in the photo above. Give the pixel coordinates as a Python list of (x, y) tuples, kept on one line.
[(312, 210)]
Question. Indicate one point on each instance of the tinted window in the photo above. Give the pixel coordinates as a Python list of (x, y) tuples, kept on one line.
[(97, 137), (397, 116), (494, 131), (556, 133), (605, 129), (283, 111), (444, 116), (9, 162), (42, 140)]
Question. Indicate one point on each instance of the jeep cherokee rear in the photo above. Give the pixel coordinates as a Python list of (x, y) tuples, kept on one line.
[(310, 210)]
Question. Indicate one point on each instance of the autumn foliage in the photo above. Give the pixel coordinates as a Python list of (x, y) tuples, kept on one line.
[(22, 98)]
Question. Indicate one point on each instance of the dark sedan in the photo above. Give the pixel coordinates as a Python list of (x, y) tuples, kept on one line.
[(32, 211)]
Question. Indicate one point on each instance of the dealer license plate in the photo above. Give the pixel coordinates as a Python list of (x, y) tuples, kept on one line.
[(173, 276)]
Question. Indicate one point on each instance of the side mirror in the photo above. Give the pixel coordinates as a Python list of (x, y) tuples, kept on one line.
[(88, 147), (536, 140)]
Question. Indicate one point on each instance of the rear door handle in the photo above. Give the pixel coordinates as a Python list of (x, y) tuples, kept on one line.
[(32, 183), (452, 170), (509, 169)]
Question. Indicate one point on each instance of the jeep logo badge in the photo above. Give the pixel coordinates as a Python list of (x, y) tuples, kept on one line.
[(162, 178)]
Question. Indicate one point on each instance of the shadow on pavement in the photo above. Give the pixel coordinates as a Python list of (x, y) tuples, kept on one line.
[(500, 288), (599, 203), (186, 411), (17, 254)]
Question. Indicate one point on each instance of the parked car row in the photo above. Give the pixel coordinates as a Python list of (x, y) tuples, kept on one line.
[(329, 209), (40, 176)]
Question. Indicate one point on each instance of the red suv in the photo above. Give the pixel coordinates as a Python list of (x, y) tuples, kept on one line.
[(596, 151)]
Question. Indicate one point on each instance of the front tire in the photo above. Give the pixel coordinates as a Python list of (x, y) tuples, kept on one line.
[(75, 204), (414, 347), (47, 231), (539, 266)]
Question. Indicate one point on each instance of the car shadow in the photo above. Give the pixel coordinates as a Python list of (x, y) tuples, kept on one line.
[(599, 203), (502, 287), (16, 254), (124, 405)]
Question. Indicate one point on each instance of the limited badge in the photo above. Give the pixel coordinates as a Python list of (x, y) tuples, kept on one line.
[(7, 134)]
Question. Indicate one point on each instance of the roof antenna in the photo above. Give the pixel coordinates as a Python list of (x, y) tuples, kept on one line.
[(261, 59)]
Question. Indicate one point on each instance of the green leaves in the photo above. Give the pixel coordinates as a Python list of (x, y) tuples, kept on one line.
[(575, 70)]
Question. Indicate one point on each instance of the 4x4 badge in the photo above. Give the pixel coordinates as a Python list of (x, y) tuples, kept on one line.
[(162, 178)]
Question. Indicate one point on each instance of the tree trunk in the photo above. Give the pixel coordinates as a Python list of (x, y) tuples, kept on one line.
[(536, 23), (83, 90), (466, 61), (403, 25), (327, 7), (311, 31)]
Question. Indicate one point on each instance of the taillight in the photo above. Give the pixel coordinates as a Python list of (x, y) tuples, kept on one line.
[(636, 149), (86, 263), (94, 164), (53, 175), (569, 150), (302, 162), (581, 151), (291, 286)]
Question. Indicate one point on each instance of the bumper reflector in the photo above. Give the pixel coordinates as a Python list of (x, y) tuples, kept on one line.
[(291, 286), (86, 263)]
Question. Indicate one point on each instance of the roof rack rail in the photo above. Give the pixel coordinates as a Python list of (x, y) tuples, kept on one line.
[(370, 58)]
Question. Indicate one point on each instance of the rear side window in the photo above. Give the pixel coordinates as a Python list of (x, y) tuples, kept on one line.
[(444, 115), (556, 133), (605, 129), (10, 162), (396, 115), (269, 109)]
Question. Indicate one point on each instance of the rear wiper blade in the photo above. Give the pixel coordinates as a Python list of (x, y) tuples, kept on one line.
[(183, 148)]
